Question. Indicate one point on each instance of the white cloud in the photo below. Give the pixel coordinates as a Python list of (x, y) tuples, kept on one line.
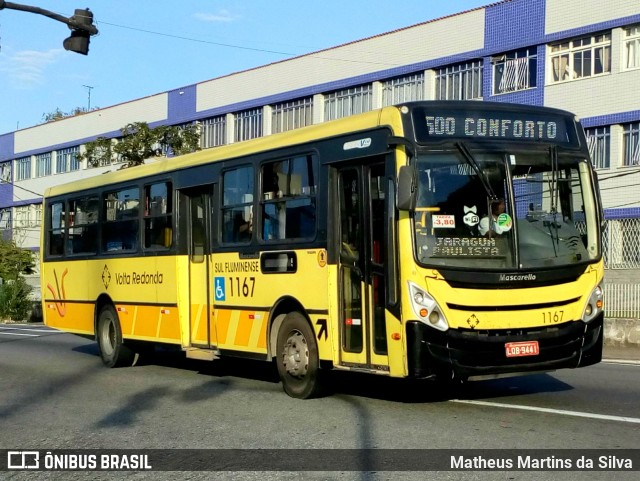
[(26, 69), (222, 16)]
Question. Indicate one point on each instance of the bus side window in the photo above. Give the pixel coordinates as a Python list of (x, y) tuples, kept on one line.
[(121, 228), (237, 205), (158, 211), (83, 231), (56, 214), (288, 199)]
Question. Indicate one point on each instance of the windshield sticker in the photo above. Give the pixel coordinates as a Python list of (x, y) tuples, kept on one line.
[(471, 216), (503, 223), (444, 221)]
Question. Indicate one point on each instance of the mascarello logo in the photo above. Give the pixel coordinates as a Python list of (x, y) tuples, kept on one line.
[(517, 277)]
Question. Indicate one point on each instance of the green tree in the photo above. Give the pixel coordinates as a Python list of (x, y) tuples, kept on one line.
[(14, 300), (14, 261), (14, 291), (58, 114), (140, 142)]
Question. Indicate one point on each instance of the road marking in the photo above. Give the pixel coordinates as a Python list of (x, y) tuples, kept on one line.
[(29, 330), (579, 414), (18, 334), (622, 361)]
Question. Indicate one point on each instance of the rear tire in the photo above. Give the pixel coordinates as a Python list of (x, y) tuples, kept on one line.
[(297, 358), (112, 350)]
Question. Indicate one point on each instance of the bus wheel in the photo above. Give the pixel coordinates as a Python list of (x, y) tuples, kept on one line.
[(112, 350), (297, 358)]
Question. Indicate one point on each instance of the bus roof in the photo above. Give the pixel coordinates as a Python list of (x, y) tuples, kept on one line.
[(367, 120)]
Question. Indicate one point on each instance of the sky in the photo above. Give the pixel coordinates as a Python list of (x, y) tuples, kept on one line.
[(147, 47)]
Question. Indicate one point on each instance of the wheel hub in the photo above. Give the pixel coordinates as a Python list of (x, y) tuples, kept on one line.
[(296, 355), (108, 336)]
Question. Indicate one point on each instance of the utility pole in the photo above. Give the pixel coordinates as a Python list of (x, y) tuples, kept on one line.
[(80, 24), (89, 89)]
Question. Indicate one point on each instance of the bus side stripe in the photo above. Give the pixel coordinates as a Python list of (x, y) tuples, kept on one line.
[(233, 328), (262, 339), (256, 329), (243, 334)]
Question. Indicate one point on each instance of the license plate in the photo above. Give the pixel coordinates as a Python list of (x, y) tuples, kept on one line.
[(517, 349)]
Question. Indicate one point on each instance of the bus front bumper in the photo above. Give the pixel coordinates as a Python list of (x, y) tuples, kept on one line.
[(468, 353)]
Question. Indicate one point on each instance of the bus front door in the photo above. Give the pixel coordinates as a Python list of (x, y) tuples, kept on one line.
[(200, 332), (361, 287)]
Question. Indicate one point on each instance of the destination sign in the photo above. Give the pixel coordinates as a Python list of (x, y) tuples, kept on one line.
[(490, 125)]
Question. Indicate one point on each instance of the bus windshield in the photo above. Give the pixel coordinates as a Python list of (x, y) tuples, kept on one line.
[(511, 210)]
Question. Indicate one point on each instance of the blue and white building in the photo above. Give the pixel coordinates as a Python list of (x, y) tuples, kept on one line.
[(578, 55)]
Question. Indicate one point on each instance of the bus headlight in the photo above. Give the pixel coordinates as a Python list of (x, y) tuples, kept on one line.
[(426, 308), (594, 304)]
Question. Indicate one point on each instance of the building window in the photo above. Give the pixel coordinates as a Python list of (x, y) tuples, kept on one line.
[(599, 142), (632, 47), (21, 216), (27, 216), (159, 149), (292, 115), (5, 172), (37, 214), (248, 125), (631, 141), (23, 168), (100, 153), (515, 71), (66, 160), (348, 102), (461, 81), (43, 164), (403, 89), (581, 57), (213, 132), (5, 219)]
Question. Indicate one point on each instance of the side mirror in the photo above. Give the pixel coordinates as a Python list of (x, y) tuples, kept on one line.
[(406, 195), (596, 187)]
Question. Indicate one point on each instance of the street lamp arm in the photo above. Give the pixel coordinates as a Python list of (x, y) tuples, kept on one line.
[(73, 22)]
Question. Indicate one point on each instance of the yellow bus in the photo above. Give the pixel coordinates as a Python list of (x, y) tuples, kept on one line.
[(452, 240)]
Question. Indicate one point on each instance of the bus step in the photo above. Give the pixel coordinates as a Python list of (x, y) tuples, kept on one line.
[(202, 354)]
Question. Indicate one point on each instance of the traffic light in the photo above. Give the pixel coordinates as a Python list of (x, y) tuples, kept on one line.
[(81, 25)]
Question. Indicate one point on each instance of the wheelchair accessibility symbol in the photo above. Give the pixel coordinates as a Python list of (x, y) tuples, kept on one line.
[(218, 283)]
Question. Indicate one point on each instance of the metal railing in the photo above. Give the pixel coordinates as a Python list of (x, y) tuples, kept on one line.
[(621, 244), (622, 301)]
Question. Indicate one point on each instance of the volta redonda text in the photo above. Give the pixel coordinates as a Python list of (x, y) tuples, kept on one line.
[(138, 278)]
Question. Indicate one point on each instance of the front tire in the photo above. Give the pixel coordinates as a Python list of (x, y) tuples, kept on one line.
[(297, 358), (112, 349)]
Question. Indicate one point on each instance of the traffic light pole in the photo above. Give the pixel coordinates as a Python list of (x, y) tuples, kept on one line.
[(81, 23)]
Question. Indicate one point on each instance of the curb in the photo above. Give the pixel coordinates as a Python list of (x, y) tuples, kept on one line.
[(622, 333)]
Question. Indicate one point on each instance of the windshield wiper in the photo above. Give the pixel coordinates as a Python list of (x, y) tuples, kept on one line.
[(468, 156), (553, 186), (553, 194)]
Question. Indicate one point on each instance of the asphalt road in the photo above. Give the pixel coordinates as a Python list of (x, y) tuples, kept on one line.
[(55, 394)]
